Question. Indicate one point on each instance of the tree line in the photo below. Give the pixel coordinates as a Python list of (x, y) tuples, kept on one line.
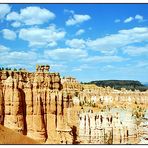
[(118, 84), (14, 69)]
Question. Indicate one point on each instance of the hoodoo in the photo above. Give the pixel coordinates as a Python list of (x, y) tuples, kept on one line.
[(55, 110)]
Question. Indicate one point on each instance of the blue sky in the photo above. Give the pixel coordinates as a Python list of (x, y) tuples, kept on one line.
[(87, 41)]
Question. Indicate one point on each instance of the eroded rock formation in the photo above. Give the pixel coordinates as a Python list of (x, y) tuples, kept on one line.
[(46, 107), (29, 102)]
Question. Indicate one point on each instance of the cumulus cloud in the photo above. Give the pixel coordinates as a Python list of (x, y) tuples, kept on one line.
[(80, 31), (22, 55), (4, 9), (139, 17), (42, 37), (77, 19), (66, 54), (68, 11), (104, 59), (83, 67), (16, 24), (17, 57), (76, 43), (111, 43), (31, 16), (135, 50), (3, 48), (13, 16), (9, 34), (129, 19)]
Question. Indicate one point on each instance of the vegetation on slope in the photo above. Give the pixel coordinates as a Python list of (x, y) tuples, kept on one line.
[(118, 84)]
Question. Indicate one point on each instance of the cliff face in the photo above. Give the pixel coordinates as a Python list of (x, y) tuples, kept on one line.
[(32, 103), (45, 107)]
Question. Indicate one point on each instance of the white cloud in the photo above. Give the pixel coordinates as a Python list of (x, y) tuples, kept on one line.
[(68, 11), (136, 31), (4, 9), (9, 34), (83, 67), (111, 43), (76, 43), (52, 44), (3, 48), (80, 31), (108, 68), (21, 59), (31, 16), (104, 59), (16, 24), (12, 66), (13, 16), (77, 19), (18, 57), (43, 61), (66, 54), (22, 55), (117, 20), (129, 19), (58, 67), (142, 64), (76, 69), (42, 37), (135, 50), (139, 17)]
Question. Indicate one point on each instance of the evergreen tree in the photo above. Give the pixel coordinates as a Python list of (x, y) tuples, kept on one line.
[(15, 69)]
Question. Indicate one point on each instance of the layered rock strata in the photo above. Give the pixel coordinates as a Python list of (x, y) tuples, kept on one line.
[(30, 103), (44, 106)]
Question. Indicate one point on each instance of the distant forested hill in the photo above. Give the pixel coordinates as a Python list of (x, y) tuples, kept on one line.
[(118, 84), (145, 84)]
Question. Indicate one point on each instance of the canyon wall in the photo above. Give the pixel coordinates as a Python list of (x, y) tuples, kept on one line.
[(31, 103), (46, 107)]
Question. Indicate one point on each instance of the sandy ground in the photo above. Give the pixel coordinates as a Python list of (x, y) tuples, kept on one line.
[(8, 136)]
